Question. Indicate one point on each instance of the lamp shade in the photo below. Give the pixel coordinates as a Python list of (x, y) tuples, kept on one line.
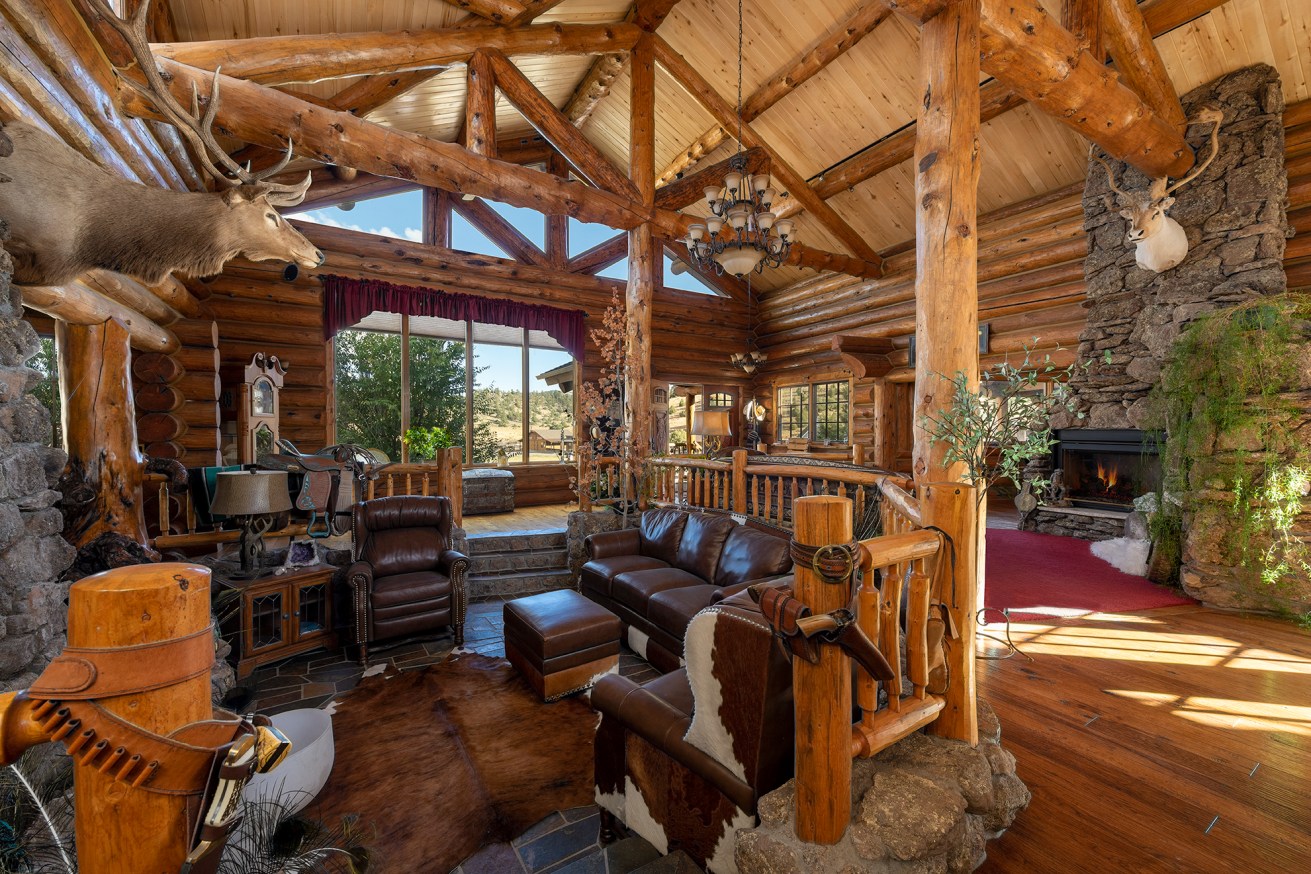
[(250, 493), (711, 423)]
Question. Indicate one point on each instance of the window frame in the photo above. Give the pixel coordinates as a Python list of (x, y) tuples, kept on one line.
[(811, 417)]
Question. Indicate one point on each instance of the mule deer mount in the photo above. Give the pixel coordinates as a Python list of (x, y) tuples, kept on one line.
[(1159, 241), (67, 215)]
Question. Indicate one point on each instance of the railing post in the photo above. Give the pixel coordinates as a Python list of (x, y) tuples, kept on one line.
[(951, 508), (739, 481), (452, 470), (822, 692)]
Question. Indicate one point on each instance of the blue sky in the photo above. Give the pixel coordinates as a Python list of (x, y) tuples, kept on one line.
[(401, 216)]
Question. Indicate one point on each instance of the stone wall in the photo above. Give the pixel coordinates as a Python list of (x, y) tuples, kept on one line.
[(33, 555), (1235, 215)]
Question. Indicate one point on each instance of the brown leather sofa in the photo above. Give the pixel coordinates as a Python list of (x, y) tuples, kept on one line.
[(406, 579), (683, 759), (656, 577)]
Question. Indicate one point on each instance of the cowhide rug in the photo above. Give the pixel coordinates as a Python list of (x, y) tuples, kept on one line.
[(445, 760)]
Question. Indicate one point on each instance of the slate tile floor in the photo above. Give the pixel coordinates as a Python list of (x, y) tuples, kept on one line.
[(565, 842)]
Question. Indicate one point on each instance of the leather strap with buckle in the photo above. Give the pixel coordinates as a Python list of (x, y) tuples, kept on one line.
[(834, 563)]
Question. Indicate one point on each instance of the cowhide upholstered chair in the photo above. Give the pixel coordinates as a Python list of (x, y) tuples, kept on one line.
[(683, 759), (406, 579)]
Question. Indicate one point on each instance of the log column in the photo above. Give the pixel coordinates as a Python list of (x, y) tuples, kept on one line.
[(100, 430), (643, 255), (822, 691), (946, 314), (121, 829)]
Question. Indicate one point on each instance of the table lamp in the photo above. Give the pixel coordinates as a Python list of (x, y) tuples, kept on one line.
[(252, 496), (714, 427)]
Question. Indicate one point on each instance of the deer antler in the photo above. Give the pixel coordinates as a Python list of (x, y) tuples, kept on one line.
[(196, 129), (1110, 177), (1214, 116)]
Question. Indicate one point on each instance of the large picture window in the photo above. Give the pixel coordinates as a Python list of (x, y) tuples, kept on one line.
[(819, 411), (489, 402)]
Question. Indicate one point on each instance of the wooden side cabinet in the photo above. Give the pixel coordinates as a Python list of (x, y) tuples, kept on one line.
[(280, 616)]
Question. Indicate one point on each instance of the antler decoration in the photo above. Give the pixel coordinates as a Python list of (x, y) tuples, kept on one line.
[(1214, 116), (196, 129)]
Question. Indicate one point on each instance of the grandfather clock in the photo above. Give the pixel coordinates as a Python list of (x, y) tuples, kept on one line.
[(251, 399)]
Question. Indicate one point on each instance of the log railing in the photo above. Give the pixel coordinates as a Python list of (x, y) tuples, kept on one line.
[(766, 490), (904, 564), (440, 477)]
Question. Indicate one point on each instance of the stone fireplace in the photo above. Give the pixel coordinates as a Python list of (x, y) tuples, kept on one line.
[(1106, 468), (1235, 217)]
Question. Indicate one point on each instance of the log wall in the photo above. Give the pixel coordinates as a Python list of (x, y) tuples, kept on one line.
[(256, 310), (1030, 286)]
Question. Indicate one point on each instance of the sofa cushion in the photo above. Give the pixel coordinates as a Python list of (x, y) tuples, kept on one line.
[(751, 555), (599, 572), (703, 538), (635, 588), (411, 588), (661, 531), (672, 609)]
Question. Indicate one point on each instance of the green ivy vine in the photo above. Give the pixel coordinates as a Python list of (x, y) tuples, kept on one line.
[(1227, 402)]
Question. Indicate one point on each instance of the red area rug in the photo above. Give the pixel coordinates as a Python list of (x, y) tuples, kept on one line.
[(1039, 576)]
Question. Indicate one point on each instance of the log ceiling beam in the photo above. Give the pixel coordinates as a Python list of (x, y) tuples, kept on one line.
[(1083, 19), (995, 99), (555, 128), (284, 60), (600, 256), (689, 189), (1136, 58), (647, 14), (480, 112), (532, 9), (828, 49), (1028, 50), (498, 11), (505, 235), (696, 85)]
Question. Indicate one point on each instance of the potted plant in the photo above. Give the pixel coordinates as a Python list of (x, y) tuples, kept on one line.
[(424, 443)]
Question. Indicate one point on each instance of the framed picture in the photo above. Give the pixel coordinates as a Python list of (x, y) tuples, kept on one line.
[(302, 553)]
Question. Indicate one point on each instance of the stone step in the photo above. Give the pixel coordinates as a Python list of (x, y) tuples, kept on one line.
[(520, 583), (502, 562), (480, 544)]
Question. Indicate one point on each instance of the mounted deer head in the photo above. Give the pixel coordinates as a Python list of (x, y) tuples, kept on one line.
[(67, 215), (1159, 241)]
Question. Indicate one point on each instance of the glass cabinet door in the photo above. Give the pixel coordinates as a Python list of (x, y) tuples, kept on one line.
[(311, 609), (266, 622)]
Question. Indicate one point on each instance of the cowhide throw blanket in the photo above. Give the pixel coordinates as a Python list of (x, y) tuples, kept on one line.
[(445, 760)]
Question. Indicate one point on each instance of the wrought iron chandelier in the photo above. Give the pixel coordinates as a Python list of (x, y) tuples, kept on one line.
[(742, 234)]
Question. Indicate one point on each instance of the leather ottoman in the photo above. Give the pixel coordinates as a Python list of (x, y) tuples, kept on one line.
[(560, 641)]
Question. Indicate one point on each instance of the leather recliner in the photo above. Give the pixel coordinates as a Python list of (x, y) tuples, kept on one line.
[(406, 580), (683, 759), (656, 577)]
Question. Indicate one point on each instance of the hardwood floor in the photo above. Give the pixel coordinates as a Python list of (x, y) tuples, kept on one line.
[(550, 517), (1176, 739)]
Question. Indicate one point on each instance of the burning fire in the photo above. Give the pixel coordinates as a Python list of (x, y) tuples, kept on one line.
[(1108, 475)]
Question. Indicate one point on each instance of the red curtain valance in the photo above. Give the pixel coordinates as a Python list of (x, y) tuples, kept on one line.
[(346, 301)]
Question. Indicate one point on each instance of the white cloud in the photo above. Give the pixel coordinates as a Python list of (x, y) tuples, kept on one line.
[(321, 217)]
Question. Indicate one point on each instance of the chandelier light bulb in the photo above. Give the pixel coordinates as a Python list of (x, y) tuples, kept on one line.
[(714, 225), (733, 182), (696, 231), (784, 228), (760, 183), (765, 220)]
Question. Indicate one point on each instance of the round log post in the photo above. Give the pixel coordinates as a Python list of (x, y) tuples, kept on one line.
[(952, 508), (822, 692), (100, 429), (121, 830)]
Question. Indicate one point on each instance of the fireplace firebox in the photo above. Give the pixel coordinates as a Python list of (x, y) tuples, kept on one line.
[(1105, 469)]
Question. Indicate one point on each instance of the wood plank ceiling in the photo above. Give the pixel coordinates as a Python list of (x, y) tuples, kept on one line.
[(866, 94)]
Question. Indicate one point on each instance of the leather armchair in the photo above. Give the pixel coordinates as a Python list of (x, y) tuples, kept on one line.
[(405, 579), (683, 759)]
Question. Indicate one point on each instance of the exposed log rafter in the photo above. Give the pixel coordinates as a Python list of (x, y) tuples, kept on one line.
[(505, 235), (692, 80), (828, 49), (555, 128), (1137, 60)]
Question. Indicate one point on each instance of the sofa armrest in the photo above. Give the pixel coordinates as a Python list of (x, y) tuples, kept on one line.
[(662, 725), (360, 577), (607, 544), (451, 563), (729, 591)]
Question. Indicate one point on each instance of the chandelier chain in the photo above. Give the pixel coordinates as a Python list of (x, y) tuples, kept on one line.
[(739, 75)]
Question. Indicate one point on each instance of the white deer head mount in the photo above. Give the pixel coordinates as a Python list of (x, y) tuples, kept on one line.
[(1159, 241)]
